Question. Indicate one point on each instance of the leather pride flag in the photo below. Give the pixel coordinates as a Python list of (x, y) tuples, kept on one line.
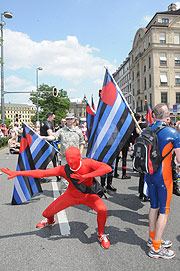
[(90, 113), (92, 104), (149, 119), (112, 125), (35, 153)]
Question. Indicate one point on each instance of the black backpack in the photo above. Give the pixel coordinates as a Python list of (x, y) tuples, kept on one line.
[(147, 157)]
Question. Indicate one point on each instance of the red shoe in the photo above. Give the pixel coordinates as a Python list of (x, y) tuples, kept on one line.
[(45, 222), (104, 240)]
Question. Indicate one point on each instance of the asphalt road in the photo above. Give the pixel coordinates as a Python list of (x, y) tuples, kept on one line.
[(71, 244)]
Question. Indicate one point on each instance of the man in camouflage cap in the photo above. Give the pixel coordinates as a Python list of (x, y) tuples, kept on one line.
[(69, 136)]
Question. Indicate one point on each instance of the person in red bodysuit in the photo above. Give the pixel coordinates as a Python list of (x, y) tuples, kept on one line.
[(79, 173)]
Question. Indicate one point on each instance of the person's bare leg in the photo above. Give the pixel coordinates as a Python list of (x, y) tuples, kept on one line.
[(152, 219), (160, 226)]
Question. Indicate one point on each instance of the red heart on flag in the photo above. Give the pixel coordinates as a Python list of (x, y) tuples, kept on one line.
[(29, 139), (25, 142), (109, 93), (23, 145)]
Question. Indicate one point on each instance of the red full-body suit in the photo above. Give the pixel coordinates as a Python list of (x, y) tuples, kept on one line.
[(84, 170)]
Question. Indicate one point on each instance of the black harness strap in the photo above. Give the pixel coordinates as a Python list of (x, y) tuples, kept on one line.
[(95, 188)]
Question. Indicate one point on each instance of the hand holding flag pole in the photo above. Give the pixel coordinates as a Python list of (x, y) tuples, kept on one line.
[(122, 95)]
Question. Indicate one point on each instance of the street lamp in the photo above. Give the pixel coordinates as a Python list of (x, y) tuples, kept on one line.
[(7, 15), (37, 89), (126, 94)]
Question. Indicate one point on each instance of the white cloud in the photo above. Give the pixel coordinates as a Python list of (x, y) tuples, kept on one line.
[(13, 81), (13, 84), (67, 59), (98, 82), (72, 90), (178, 5)]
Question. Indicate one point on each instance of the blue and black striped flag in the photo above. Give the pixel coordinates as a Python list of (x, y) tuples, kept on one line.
[(112, 125), (34, 153), (90, 114), (92, 104), (149, 119)]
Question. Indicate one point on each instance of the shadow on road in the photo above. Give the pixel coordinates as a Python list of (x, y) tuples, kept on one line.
[(130, 201), (78, 229)]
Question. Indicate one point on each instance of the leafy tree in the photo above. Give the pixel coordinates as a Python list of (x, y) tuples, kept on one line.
[(48, 103)]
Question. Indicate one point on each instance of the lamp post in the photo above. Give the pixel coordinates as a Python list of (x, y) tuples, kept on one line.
[(126, 94), (37, 89), (7, 15)]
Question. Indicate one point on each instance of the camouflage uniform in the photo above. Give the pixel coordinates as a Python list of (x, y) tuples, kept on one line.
[(69, 137)]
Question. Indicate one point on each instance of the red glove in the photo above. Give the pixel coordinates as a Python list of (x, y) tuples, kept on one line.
[(11, 173), (78, 176)]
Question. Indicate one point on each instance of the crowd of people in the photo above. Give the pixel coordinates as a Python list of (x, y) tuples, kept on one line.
[(78, 175)]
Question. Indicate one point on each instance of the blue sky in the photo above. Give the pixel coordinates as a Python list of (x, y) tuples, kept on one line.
[(72, 40)]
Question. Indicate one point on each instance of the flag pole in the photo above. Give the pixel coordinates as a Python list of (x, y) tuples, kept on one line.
[(132, 114), (42, 138)]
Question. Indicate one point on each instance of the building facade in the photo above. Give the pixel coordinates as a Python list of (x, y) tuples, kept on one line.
[(78, 107), (123, 79), (154, 61), (19, 113)]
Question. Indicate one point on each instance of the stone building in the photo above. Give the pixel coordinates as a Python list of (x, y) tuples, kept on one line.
[(154, 61), (78, 107), (20, 113)]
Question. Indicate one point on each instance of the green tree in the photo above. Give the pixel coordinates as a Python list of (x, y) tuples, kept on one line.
[(48, 103)]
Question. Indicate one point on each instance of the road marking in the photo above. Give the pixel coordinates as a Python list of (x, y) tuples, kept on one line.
[(61, 216)]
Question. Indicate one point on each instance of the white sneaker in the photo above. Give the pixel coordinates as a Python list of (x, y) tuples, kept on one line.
[(163, 253)]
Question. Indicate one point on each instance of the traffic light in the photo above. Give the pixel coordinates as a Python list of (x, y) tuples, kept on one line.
[(16, 117), (55, 92)]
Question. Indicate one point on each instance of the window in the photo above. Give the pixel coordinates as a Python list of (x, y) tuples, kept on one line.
[(149, 62), (177, 59), (149, 80), (163, 79), (165, 20), (164, 97), (144, 45), (150, 98), (176, 38), (162, 37), (138, 73), (177, 78), (163, 60), (177, 97), (144, 83)]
